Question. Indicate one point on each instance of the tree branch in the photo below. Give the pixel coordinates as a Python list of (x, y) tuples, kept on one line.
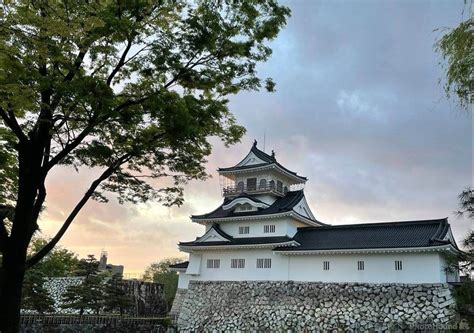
[(120, 63), (52, 243), (70, 75), (39, 204), (131, 102), (77, 64), (72, 145), (10, 120)]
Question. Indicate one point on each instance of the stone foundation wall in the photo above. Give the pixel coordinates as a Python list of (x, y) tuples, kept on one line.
[(148, 297), (297, 306), (57, 286), (178, 302)]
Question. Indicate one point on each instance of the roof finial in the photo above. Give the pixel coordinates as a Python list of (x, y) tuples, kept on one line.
[(255, 143), (273, 154)]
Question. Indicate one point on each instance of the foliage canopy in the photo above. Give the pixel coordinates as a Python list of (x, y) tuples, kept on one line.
[(456, 48), (132, 89), (160, 272)]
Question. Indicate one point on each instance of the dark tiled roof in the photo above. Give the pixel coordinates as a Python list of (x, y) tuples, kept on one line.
[(262, 155), (183, 264), (242, 241), (268, 159), (372, 236), (237, 240), (243, 195), (281, 205)]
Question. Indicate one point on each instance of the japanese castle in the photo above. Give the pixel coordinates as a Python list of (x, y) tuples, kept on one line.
[(265, 230)]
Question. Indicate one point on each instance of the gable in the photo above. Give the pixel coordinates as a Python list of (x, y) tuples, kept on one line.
[(303, 209), (212, 235), (450, 238), (251, 159)]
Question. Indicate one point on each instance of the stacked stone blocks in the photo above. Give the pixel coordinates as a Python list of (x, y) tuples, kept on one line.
[(297, 306)]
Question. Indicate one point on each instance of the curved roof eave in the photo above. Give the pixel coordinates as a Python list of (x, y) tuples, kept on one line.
[(298, 216), (269, 160)]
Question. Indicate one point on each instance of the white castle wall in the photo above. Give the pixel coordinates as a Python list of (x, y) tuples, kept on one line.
[(283, 227), (379, 268)]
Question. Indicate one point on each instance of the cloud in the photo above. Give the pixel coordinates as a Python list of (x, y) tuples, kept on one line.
[(355, 104), (358, 110)]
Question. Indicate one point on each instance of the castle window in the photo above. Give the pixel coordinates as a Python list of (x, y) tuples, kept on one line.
[(251, 184), (279, 186), (237, 263), (213, 263), (263, 184), (326, 265), (240, 186), (264, 263), (270, 228), (398, 265), (285, 189), (244, 230), (272, 184), (360, 265)]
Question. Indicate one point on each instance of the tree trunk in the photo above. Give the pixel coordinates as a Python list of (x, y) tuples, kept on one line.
[(16, 246), (10, 290)]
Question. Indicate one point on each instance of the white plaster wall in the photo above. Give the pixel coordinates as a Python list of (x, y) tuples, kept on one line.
[(283, 227), (279, 270), (183, 280), (195, 264), (379, 268)]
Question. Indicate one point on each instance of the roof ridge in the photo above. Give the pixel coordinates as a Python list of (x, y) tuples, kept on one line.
[(369, 224), (268, 160), (257, 152)]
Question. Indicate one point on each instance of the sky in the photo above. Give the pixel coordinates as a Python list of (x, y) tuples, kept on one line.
[(358, 110)]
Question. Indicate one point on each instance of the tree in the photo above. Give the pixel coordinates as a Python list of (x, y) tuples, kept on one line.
[(132, 89), (466, 209), (456, 48), (59, 262), (87, 266), (88, 294), (34, 296), (115, 296), (464, 294), (160, 272)]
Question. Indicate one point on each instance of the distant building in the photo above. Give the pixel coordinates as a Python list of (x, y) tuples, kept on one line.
[(265, 230), (103, 266)]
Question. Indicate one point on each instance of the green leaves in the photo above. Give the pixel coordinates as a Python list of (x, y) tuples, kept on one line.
[(8, 167), (59, 262), (129, 87), (456, 47), (115, 298), (34, 296), (160, 272)]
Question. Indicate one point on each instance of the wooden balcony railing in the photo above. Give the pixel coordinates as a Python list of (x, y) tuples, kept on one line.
[(230, 191)]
